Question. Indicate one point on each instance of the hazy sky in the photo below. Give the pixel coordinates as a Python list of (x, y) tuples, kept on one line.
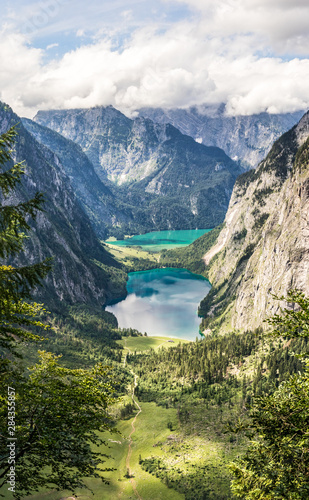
[(251, 54)]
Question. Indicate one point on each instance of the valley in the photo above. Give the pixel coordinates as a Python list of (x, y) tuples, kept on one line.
[(154, 250), (182, 401)]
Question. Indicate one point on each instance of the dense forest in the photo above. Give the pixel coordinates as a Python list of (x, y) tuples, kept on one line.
[(212, 382)]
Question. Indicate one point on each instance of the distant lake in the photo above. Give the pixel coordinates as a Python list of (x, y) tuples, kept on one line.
[(158, 240), (162, 302)]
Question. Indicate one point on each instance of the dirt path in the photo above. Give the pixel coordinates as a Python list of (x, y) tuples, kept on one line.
[(125, 356), (132, 431), (131, 441)]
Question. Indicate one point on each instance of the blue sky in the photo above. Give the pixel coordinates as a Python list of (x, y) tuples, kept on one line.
[(71, 23), (251, 54)]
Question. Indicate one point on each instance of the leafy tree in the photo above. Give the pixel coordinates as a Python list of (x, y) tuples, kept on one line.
[(55, 413), (276, 464), (59, 414)]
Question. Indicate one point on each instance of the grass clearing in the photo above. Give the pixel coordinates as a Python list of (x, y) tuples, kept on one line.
[(124, 254), (140, 344)]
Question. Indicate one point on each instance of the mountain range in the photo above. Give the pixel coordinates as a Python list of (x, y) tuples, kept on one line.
[(246, 139), (83, 271), (161, 178), (261, 250)]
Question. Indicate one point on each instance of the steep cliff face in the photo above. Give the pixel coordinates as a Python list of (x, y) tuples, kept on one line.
[(99, 202), (245, 138), (166, 179), (263, 248), (121, 149), (63, 230)]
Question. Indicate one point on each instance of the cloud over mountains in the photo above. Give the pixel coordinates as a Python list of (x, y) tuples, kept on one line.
[(253, 57)]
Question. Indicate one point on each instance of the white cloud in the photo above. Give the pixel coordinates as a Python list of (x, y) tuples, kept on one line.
[(225, 55), (284, 24), (52, 46)]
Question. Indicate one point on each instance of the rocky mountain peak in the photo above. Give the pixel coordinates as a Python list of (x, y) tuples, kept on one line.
[(176, 182)]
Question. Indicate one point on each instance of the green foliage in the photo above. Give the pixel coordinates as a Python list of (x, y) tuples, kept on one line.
[(259, 195), (59, 413), (302, 156), (246, 254), (260, 221), (278, 159), (203, 369), (276, 463), (240, 235), (16, 315), (205, 382), (196, 484), (292, 322), (216, 299), (243, 180), (134, 264), (115, 276)]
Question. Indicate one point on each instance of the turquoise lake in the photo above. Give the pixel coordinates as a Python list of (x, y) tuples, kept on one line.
[(158, 240), (162, 302)]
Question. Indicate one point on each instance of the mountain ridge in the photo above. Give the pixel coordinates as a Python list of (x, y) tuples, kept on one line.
[(83, 270), (165, 178), (263, 248), (244, 138)]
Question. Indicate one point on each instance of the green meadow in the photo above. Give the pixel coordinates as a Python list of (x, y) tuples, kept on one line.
[(151, 430), (140, 344)]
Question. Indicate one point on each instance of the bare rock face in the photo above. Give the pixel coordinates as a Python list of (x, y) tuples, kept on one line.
[(244, 138), (83, 271), (164, 178), (263, 248), (98, 201)]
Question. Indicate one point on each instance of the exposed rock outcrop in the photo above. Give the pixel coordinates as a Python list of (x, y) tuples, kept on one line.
[(165, 179), (83, 270), (263, 248), (244, 138)]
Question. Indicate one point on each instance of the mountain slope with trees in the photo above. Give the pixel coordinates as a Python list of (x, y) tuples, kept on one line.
[(42, 443), (83, 271)]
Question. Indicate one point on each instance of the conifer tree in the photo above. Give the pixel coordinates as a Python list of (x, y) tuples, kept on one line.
[(17, 313)]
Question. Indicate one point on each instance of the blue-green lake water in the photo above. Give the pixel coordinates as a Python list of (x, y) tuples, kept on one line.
[(158, 240), (162, 302)]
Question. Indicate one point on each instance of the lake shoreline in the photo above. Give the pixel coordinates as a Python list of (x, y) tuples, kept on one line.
[(162, 302)]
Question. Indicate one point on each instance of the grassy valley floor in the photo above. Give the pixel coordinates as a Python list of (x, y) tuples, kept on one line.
[(182, 446)]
